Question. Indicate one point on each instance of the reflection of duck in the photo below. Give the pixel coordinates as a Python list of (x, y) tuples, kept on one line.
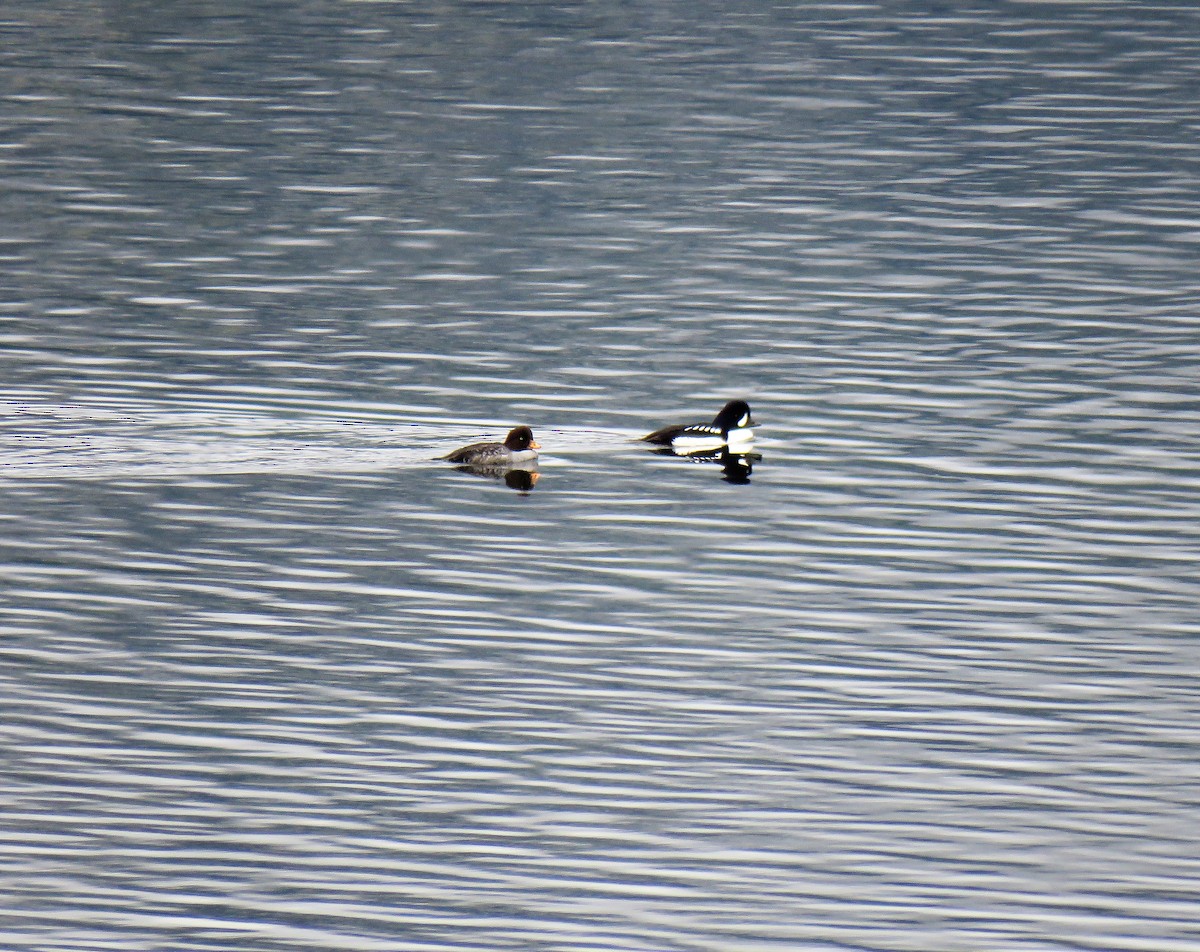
[(730, 427), (522, 480), (518, 447), (736, 467)]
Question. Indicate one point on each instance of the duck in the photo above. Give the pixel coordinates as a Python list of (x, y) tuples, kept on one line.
[(518, 447), (730, 427)]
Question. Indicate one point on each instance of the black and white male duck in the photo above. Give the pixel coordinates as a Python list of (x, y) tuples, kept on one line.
[(730, 428)]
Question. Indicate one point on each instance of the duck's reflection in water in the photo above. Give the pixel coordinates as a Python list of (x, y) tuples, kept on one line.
[(522, 480), (735, 467)]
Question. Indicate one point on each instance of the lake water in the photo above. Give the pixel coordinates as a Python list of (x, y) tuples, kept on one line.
[(274, 679)]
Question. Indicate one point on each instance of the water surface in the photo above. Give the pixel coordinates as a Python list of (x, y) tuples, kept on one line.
[(274, 678)]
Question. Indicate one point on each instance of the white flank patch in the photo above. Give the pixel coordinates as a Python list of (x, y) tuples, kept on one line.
[(697, 443), (742, 436)]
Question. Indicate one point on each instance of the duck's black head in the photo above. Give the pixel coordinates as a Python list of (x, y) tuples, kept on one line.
[(521, 438), (736, 413)]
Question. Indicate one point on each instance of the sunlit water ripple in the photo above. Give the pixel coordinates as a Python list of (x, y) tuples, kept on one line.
[(274, 677)]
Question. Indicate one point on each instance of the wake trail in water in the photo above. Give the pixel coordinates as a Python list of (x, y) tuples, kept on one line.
[(71, 443)]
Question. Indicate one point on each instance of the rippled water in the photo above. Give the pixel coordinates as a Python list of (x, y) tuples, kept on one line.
[(274, 678)]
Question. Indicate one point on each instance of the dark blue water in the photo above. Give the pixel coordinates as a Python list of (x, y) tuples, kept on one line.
[(273, 678)]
